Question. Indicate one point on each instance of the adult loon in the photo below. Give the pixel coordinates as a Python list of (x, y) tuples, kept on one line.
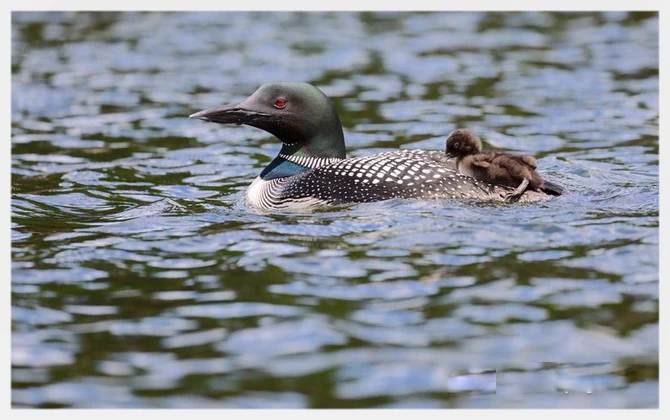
[(312, 170), (495, 167)]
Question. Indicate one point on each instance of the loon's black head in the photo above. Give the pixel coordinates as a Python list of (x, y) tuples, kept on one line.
[(298, 114), (463, 142)]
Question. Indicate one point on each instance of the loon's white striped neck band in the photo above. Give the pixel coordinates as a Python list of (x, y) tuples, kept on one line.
[(308, 161)]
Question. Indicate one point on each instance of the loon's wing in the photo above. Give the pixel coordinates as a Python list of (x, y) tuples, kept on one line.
[(398, 174)]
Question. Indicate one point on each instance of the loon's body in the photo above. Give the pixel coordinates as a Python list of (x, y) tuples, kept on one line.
[(399, 174), (496, 168), (312, 170)]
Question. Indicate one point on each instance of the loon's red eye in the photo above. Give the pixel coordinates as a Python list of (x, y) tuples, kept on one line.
[(280, 103)]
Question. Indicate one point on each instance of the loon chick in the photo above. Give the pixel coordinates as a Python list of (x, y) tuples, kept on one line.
[(496, 168), (312, 170)]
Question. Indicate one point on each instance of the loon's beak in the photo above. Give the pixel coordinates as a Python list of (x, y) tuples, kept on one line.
[(229, 114)]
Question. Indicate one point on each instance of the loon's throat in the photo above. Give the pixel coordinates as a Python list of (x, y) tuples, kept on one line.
[(304, 157), (293, 164), (281, 168), (323, 145), (309, 162)]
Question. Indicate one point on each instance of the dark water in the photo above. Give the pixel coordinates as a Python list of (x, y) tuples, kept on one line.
[(140, 279)]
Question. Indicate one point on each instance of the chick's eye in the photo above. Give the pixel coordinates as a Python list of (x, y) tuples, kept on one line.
[(280, 103)]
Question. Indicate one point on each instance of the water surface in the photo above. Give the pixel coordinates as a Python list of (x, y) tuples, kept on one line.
[(140, 278)]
